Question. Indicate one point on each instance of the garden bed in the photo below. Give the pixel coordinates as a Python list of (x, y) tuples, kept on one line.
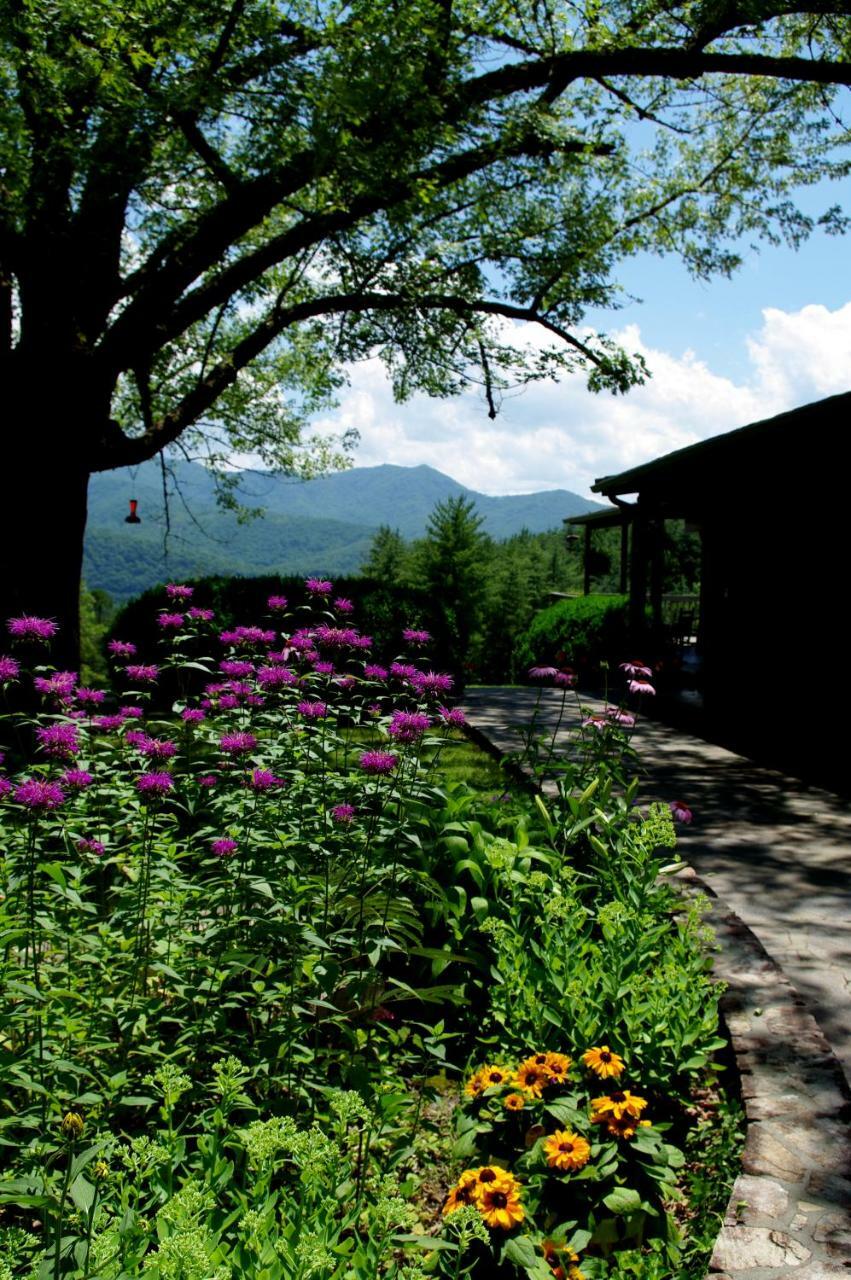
[(285, 996)]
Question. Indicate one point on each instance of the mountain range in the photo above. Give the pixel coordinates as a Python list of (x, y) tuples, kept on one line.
[(324, 525)]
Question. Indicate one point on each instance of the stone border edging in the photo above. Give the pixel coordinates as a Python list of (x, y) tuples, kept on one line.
[(789, 1213)]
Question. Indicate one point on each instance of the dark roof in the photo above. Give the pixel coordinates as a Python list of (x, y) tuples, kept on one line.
[(605, 518), (783, 434)]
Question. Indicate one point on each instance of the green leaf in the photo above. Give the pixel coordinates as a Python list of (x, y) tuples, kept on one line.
[(622, 1200)]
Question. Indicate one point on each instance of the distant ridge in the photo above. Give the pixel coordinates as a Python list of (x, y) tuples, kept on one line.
[(323, 525)]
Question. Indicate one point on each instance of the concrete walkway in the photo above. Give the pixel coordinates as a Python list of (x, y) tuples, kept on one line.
[(777, 851)]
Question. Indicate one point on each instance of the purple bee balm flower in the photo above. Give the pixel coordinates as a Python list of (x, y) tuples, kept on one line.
[(192, 715), (681, 812), (177, 591), (130, 713), (637, 669), (336, 637), (61, 684), (344, 814), (38, 794), (5, 786), (30, 628), (9, 668), (201, 615), (403, 670), (87, 845), (408, 726), (342, 605), (145, 674), (452, 715), (78, 779), (108, 724), (275, 677), (319, 586), (413, 636), (121, 648), (223, 847), (207, 780), (345, 682), (373, 671), (231, 667), (313, 710), (255, 700), (90, 697), (279, 656), (641, 686), (361, 642), (170, 621), (154, 784), (378, 762), (237, 744), (301, 639), (264, 779), (228, 701), (324, 668), (277, 602), (431, 682), (543, 673), (60, 740), (135, 737), (157, 748)]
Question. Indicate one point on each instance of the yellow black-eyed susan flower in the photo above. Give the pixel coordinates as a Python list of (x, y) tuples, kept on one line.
[(514, 1102), (492, 1077), (500, 1205), (603, 1061), (532, 1077), (566, 1150), (558, 1065), (475, 1085), (618, 1104), (464, 1192)]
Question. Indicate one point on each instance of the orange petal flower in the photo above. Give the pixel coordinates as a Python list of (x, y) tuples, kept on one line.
[(566, 1150), (604, 1062)]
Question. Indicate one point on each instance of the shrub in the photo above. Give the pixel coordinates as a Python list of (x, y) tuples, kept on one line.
[(583, 632)]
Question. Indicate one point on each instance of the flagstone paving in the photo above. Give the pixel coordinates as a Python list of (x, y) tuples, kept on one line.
[(776, 851)]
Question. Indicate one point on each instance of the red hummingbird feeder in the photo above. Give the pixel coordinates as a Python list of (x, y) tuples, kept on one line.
[(133, 518)]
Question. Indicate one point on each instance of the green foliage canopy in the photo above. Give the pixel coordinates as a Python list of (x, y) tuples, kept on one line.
[(209, 208)]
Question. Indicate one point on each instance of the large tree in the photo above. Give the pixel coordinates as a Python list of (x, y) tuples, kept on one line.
[(210, 207)]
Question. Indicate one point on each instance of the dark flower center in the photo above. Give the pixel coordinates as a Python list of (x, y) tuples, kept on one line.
[(496, 1076), (487, 1175), (499, 1199), (618, 1097), (565, 1146), (605, 1057)]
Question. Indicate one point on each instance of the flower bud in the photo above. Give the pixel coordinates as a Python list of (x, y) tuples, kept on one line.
[(72, 1125)]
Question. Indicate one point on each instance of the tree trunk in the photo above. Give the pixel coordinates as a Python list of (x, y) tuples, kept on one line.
[(43, 501)]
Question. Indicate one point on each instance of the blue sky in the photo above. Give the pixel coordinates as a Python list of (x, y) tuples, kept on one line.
[(725, 353)]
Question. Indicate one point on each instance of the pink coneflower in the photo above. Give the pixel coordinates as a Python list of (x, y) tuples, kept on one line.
[(373, 671), (121, 648), (596, 722), (9, 668), (275, 677), (237, 744), (342, 605), (344, 814), (78, 779), (640, 686), (61, 684), (543, 673), (30, 628), (223, 847), (413, 636), (378, 762), (452, 715), (170, 621), (177, 591), (403, 670), (637, 669), (233, 667), (623, 719), (264, 779), (90, 697), (313, 710), (319, 586), (408, 726), (144, 673), (86, 845), (35, 793), (154, 784), (202, 615), (277, 602), (565, 679), (431, 682), (681, 812), (60, 740), (192, 715)]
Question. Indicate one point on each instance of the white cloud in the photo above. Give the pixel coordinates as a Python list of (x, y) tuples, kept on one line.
[(560, 436)]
